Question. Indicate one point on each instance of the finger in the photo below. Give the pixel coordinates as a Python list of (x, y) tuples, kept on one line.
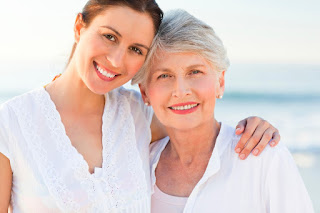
[(241, 126), (267, 136), (275, 139), (254, 139), (251, 126)]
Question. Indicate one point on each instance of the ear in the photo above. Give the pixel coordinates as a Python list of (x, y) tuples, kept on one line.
[(221, 83), (143, 93), (78, 26)]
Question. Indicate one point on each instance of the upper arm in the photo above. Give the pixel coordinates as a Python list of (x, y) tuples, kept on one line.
[(5, 158), (158, 131), (5, 183), (286, 191)]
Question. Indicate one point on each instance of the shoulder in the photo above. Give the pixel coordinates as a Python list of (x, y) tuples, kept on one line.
[(6, 109), (228, 134), (130, 94), (157, 147), (138, 109), (270, 156), (227, 137), (10, 114), (279, 155), (25, 103), (25, 98)]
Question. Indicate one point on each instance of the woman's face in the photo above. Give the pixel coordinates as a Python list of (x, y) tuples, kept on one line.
[(112, 49), (182, 89)]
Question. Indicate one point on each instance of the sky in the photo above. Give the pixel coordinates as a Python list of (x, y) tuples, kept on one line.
[(270, 31)]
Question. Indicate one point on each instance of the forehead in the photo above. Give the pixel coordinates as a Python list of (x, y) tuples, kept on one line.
[(164, 60), (128, 22)]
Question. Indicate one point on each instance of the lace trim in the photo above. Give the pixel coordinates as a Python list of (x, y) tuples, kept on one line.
[(50, 174), (104, 193)]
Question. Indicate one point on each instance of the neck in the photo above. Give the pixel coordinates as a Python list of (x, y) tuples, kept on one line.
[(189, 146), (69, 92)]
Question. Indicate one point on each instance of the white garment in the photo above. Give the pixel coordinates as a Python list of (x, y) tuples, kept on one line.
[(269, 183), (49, 175), (162, 202)]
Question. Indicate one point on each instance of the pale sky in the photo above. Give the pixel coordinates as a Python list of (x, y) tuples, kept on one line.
[(273, 31)]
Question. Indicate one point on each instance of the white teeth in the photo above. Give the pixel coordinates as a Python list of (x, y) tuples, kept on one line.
[(185, 107), (105, 73)]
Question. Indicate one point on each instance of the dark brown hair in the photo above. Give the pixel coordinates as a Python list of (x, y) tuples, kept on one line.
[(95, 7)]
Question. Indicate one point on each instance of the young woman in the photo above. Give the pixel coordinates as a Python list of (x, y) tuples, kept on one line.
[(195, 168), (81, 144)]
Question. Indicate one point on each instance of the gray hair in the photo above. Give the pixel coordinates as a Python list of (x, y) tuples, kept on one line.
[(182, 32)]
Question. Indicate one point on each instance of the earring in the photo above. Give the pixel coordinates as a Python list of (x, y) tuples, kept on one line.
[(219, 96), (146, 103)]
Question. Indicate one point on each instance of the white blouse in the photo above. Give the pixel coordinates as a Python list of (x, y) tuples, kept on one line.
[(269, 183), (49, 175)]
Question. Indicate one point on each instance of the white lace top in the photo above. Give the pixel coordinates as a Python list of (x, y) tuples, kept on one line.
[(49, 175)]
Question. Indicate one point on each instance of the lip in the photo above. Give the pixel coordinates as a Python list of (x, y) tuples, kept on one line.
[(102, 77), (186, 111)]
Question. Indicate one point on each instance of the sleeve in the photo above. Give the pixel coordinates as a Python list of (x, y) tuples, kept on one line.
[(137, 104), (147, 110), (4, 133), (286, 191)]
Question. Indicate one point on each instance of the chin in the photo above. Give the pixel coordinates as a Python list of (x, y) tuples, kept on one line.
[(96, 90), (184, 127)]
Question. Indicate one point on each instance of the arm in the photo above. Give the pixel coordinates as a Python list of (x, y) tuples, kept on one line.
[(157, 129), (5, 183), (256, 134), (284, 187)]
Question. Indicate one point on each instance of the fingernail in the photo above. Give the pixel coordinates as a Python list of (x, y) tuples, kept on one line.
[(242, 156), (272, 143), (238, 150), (255, 152)]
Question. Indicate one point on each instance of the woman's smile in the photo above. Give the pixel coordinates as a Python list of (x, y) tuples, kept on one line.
[(184, 108), (103, 73)]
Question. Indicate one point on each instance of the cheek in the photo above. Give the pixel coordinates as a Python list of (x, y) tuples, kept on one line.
[(152, 95), (157, 97), (134, 64), (207, 90), (207, 86)]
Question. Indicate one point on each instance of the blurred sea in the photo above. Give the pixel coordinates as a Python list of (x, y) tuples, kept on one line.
[(287, 95)]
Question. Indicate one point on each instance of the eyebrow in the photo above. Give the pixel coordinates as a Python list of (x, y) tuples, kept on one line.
[(116, 32), (169, 70), (195, 66), (141, 45)]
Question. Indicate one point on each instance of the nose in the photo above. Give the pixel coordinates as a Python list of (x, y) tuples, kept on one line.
[(116, 57), (181, 88)]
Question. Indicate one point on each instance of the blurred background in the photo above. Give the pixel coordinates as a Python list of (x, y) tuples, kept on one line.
[(273, 47)]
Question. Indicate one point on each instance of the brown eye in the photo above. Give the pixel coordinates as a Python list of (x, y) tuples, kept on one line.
[(136, 50), (110, 37)]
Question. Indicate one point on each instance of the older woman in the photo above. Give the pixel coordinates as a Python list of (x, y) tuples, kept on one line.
[(195, 169)]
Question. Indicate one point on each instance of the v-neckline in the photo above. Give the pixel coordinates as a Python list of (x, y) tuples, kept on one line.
[(67, 139)]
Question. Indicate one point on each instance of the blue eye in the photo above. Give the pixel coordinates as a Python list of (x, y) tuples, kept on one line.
[(136, 50), (195, 72), (110, 37), (163, 76)]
